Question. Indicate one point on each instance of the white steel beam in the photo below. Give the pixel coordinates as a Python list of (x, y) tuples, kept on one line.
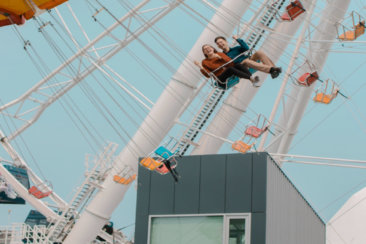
[(62, 87), (281, 93), (48, 93), (241, 95), (21, 190), (295, 108), (156, 125)]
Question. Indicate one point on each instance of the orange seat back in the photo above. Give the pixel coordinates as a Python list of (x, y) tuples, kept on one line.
[(241, 146), (150, 163), (123, 180), (347, 36), (323, 98), (351, 35)]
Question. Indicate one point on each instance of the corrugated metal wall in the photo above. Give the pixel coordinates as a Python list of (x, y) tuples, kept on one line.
[(290, 219)]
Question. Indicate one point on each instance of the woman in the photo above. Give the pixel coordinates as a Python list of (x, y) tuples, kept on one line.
[(219, 64)]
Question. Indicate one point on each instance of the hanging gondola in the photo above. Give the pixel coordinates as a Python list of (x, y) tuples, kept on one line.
[(41, 190), (125, 176), (293, 10), (324, 94), (251, 134), (162, 160), (351, 31)]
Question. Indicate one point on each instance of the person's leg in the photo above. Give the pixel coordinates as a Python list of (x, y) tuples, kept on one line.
[(267, 66), (261, 56), (243, 68), (252, 78), (221, 82), (241, 72), (257, 66)]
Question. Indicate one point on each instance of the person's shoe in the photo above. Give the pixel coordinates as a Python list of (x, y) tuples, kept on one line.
[(275, 72), (254, 80)]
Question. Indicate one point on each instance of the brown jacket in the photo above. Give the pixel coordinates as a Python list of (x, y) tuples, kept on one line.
[(210, 65)]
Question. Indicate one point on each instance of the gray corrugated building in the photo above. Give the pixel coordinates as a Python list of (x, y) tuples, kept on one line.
[(230, 199)]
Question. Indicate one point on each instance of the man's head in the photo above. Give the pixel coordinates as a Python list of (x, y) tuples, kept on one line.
[(222, 43)]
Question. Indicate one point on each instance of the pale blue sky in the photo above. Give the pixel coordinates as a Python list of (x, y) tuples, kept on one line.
[(337, 130)]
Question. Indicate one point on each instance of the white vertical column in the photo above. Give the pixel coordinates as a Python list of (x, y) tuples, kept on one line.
[(295, 108), (156, 125), (239, 99)]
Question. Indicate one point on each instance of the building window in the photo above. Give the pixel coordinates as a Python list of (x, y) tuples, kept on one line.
[(236, 231), (190, 230), (200, 229)]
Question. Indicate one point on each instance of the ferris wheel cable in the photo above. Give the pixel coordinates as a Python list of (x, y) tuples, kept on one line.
[(20, 188), (129, 84), (327, 116), (229, 11), (343, 195), (341, 215), (81, 28), (119, 84), (158, 57), (71, 59), (284, 83), (146, 67), (73, 110), (104, 111), (325, 164), (26, 146), (359, 112), (226, 118), (293, 156), (123, 110), (72, 70), (168, 41), (73, 114), (43, 74), (104, 115), (154, 74), (356, 118), (66, 28), (204, 132), (217, 29)]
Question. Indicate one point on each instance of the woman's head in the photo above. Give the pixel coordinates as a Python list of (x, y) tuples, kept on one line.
[(208, 49)]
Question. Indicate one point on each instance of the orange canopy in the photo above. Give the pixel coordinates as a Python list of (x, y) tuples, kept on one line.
[(17, 11)]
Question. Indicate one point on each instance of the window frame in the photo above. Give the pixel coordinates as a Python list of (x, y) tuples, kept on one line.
[(226, 223), (228, 217)]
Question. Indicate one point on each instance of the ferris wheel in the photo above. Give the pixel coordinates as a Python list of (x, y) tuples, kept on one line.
[(192, 115)]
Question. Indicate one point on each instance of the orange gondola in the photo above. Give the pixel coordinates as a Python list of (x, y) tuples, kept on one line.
[(18, 11), (346, 33)]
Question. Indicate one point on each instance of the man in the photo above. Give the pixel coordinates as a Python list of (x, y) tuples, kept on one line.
[(266, 64)]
